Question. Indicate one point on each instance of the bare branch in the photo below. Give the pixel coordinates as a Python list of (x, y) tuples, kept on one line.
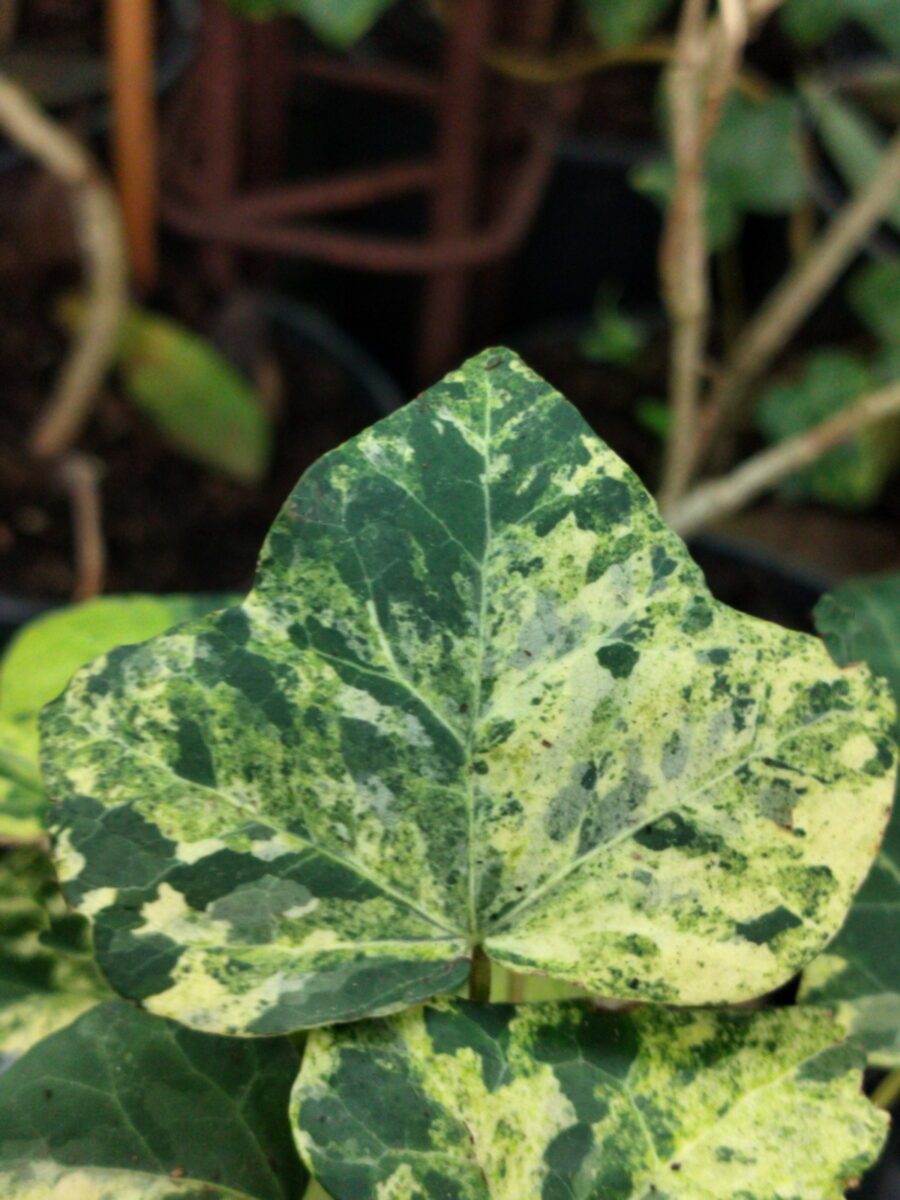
[(800, 291), (683, 253), (105, 266), (80, 477), (719, 498)]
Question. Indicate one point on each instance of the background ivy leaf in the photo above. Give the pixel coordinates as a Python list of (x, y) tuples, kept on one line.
[(755, 164), (852, 139), (47, 972), (128, 1106), (340, 22), (852, 475), (559, 1101), (810, 22), (197, 400), (859, 973), (480, 694), (37, 666), (620, 23), (874, 292)]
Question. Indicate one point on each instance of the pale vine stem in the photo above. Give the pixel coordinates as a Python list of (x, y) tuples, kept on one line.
[(705, 68), (887, 1094), (683, 254), (709, 502), (80, 477), (102, 247), (800, 291)]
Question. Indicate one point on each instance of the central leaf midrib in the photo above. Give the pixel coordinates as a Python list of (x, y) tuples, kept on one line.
[(475, 936)]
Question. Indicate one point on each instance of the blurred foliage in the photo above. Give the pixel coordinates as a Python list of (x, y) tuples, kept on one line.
[(755, 164), (47, 973), (613, 335), (621, 23), (810, 22), (37, 666), (340, 22), (874, 293), (197, 400), (852, 475), (853, 141)]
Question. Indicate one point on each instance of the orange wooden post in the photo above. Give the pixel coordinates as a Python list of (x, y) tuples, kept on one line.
[(130, 30)]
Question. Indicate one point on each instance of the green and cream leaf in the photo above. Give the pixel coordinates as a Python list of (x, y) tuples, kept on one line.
[(479, 695), (557, 1102), (125, 1106), (37, 666), (859, 973)]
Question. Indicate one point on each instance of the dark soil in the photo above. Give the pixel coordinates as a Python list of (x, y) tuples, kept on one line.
[(169, 524)]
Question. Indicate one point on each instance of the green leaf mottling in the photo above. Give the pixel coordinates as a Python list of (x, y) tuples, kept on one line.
[(479, 695), (558, 1102)]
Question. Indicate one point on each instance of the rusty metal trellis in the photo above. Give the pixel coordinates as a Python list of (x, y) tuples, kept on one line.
[(245, 69)]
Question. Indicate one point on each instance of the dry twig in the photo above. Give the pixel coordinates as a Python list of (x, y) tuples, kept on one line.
[(800, 291), (102, 247), (80, 477), (710, 502)]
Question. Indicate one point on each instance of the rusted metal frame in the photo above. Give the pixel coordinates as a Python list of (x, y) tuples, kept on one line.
[(401, 255), (353, 190), (268, 81), (456, 197), (387, 79), (219, 106), (530, 26)]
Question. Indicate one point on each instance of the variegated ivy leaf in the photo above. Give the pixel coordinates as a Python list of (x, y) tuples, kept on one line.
[(479, 695), (38, 665), (125, 1106), (859, 973), (47, 973), (558, 1102)]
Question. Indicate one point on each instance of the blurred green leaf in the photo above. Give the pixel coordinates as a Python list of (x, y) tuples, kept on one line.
[(340, 22), (810, 22), (37, 666), (196, 399), (853, 141), (654, 415), (47, 972), (620, 23), (874, 292), (852, 475), (755, 164), (613, 336)]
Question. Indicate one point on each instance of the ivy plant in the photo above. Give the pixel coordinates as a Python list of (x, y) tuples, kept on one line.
[(37, 666), (859, 973), (479, 710)]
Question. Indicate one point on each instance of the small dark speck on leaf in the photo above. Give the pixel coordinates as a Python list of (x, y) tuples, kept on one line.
[(492, 363), (634, 984), (528, 654), (547, 745), (48, 1093), (675, 1166), (464, 708)]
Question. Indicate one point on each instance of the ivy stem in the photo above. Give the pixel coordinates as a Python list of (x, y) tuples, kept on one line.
[(887, 1093), (480, 977)]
